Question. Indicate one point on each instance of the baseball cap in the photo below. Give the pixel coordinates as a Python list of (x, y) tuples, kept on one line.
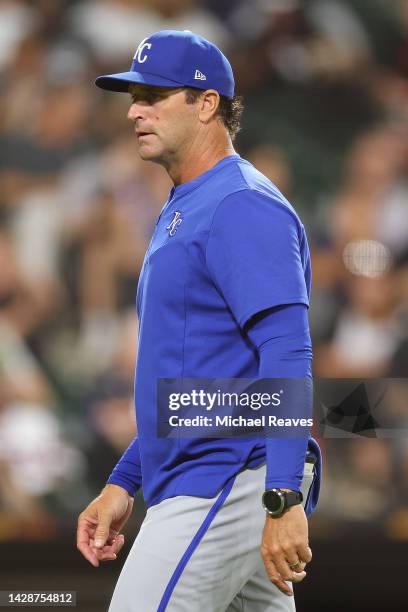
[(173, 58)]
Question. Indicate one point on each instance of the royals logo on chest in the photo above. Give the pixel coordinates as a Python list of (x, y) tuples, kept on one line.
[(174, 223)]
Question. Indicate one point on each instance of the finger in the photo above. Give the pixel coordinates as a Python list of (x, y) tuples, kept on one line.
[(304, 554), (100, 553), (276, 578), (84, 546), (106, 556), (118, 544), (282, 566), (88, 553), (286, 572), (298, 576), (107, 553), (103, 530), (113, 535), (85, 526), (296, 566), (288, 560), (110, 549)]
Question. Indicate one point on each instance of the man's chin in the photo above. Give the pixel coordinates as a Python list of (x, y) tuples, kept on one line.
[(148, 154)]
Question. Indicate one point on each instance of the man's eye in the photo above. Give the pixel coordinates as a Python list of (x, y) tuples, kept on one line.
[(149, 98), (154, 97)]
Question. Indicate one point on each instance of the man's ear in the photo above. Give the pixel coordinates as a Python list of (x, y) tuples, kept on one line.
[(209, 102)]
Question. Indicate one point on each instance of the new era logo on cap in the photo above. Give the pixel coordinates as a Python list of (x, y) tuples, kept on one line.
[(169, 58), (200, 76)]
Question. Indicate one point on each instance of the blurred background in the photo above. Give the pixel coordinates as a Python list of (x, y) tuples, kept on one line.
[(325, 84)]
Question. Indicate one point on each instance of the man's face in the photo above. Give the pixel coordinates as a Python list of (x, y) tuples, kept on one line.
[(164, 123)]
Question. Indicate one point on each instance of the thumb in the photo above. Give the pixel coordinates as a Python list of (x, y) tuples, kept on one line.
[(102, 531)]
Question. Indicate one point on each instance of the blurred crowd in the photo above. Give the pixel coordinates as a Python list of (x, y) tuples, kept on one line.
[(325, 85)]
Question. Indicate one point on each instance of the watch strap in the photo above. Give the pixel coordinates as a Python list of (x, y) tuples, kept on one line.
[(293, 498)]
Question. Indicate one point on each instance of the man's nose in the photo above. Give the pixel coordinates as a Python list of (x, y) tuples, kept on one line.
[(136, 111)]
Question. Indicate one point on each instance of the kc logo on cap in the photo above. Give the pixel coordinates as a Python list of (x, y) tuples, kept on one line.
[(139, 51)]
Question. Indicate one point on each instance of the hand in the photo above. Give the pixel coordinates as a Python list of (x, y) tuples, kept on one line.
[(285, 542), (99, 525)]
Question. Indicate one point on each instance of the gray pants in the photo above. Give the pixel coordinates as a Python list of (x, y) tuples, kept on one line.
[(202, 555)]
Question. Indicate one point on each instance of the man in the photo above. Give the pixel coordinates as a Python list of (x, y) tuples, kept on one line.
[(223, 292)]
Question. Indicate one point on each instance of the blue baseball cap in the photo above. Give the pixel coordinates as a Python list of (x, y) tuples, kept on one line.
[(173, 58)]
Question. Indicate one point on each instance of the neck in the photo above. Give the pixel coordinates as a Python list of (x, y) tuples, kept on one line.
[(201, 155)]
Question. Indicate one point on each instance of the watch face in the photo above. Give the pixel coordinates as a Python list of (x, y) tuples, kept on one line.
[(273, 501)]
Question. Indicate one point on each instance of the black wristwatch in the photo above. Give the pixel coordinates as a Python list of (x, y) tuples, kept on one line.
[(276, 501)]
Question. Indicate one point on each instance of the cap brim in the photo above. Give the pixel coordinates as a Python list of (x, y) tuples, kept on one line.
[(120, 82)]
